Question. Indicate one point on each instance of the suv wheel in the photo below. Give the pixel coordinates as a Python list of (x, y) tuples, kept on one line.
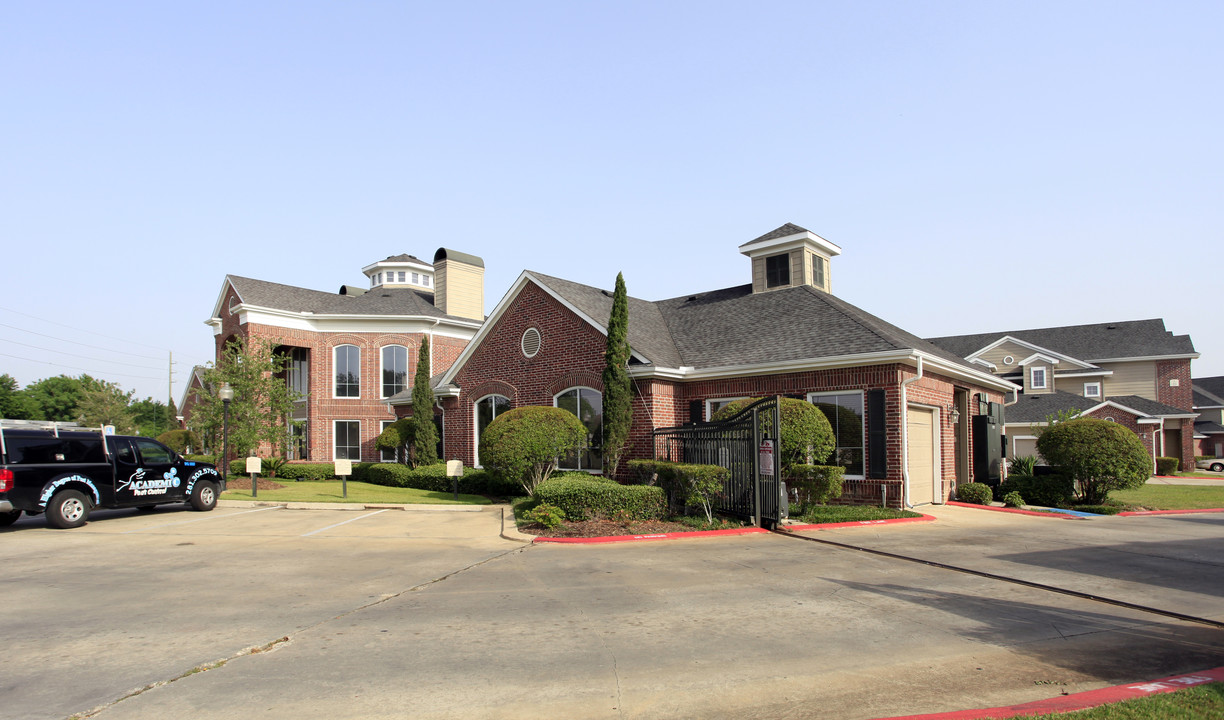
[(204, 495), (67, 509), (1217, 467)]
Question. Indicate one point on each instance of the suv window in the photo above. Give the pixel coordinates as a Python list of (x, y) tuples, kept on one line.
[(154, 453)]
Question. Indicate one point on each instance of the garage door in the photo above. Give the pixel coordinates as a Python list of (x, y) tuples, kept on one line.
[(921, 462)]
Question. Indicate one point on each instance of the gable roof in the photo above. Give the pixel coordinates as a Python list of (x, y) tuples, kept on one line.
[(1036, 408), (1094, 343), (380, 301)]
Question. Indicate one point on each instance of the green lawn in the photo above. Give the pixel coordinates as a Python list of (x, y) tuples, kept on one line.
[(1198, 703), (848, 513), (1172, 497), (358, 492)]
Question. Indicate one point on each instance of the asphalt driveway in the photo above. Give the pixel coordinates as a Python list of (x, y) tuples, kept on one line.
[(433, 615)]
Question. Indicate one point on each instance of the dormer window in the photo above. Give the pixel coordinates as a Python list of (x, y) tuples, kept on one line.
[(1037, 378), (777, 271)]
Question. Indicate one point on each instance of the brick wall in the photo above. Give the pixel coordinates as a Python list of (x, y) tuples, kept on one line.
[(1180, 396)]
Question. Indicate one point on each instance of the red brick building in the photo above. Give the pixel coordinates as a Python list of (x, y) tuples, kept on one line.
[(900, 405), (350, 354)]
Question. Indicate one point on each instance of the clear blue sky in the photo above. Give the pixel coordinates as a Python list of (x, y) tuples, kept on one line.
[(1028, 164)]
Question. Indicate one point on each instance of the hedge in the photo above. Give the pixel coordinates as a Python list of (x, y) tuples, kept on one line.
[(585, 499), (475, 481), (1051, 490), (1167, 465), (816, 484), (678, 480), (976, 493)]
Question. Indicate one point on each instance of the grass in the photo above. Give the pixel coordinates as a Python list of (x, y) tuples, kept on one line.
[(330, 491), (849, 513), (1198, 703), (1172, 497)]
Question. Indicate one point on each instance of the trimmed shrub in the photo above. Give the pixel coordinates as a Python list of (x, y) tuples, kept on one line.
[(816, 484), (807, 436), (1046, 490), (684, 484), (545, 515), (585, 499), (1099, 455), (397, 436), (1013, 499), (523, 444), (304, 471), (1167, 465), (433, 478), (179, 440), (976, 493)]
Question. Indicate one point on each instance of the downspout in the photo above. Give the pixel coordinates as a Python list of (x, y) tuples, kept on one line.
[(1012, 450), (905, 476)]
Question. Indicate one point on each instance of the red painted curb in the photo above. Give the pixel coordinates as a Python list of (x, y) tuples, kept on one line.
[(660, 536), (858, 523), (1078, 701), (1014, 511), (1171, 512)]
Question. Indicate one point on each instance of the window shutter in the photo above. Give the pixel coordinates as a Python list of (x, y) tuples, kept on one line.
[(877, 454), (696, 411)]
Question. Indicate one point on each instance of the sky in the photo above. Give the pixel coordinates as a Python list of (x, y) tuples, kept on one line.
[(985, 166)]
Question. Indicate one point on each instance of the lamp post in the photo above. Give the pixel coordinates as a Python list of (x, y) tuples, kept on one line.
[(226, 393)]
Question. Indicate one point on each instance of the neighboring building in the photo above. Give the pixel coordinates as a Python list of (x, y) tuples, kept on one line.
[(349, 353), (900, 405), (1209, 427), (1135, 373)]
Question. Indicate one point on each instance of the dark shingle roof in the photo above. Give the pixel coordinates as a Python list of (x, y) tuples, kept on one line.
[(1208, 392), (1036, 408), (383, 301), (784, 231), (1207, 427), (1133, 338), (733, 326), (405, 258)]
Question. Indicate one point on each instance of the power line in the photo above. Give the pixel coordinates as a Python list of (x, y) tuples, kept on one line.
[(91, 332), (73, 367), (77, 342), (79, 357)]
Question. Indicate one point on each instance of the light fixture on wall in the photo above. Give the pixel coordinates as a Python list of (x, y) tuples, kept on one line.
[(955, 415)]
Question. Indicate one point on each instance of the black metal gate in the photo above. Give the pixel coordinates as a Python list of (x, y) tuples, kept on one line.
[(747, 445)]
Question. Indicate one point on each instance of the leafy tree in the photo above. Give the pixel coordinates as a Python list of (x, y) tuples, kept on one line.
[(16, 404), (397, 436), (807, 436), (152, 417), (180, 441), (1099, 455), (263, 402), (617, 390), (523, 444), (425, 435), (56, 397), (105, 403)]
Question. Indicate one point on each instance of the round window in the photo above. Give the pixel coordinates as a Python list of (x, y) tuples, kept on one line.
[(531, 342), (1009, 360)]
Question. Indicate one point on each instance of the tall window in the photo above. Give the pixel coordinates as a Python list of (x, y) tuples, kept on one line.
[(487, 409), (394, 369), (845, 414), (1038, 378), (587, 404), (297, 371), (348, 371), (297, 442), (777, 270), (348, 440)]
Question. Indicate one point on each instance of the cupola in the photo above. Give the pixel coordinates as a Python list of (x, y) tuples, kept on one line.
[(401, 271), (790, 256)]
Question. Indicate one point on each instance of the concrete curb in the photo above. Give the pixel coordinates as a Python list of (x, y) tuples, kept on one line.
[(857, 523), (1078, 701)]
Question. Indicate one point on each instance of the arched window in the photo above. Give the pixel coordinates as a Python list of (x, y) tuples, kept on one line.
[(348, 371), (487, 409), (587, 404), (394, 370)]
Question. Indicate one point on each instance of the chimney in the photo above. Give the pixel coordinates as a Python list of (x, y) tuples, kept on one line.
[(459, 284)]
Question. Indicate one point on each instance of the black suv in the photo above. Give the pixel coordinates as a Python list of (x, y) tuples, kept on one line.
[(67, 473)]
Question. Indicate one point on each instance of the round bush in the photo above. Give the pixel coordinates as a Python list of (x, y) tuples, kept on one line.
[(523, 444), (976, 493), (1099, 455), (807, 436), (1013, 500)]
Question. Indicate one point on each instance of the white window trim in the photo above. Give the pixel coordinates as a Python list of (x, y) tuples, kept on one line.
[(600, 394), (335, 434), (382, 369), (1033, 378), (863, 425), (1096, 385), (476, 426), (709, 404), (335, 349)]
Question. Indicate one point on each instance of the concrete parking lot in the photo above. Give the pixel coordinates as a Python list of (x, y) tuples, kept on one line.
[(369, 614)]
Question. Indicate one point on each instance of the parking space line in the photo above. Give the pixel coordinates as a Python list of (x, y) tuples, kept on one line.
[(210, 517), (346, 522)]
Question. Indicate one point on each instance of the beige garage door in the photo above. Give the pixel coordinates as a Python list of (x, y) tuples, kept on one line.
[(921, 462)]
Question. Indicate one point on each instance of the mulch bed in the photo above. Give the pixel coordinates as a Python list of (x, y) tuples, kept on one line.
[(244, 483), (606, 528)]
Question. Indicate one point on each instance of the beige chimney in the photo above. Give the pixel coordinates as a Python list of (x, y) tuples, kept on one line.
[(459, 284)]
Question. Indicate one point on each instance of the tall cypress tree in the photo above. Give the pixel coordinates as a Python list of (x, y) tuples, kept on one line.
[(425, 437), (617, 390)]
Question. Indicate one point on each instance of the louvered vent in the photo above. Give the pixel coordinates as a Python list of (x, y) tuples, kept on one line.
[(531, 342)]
